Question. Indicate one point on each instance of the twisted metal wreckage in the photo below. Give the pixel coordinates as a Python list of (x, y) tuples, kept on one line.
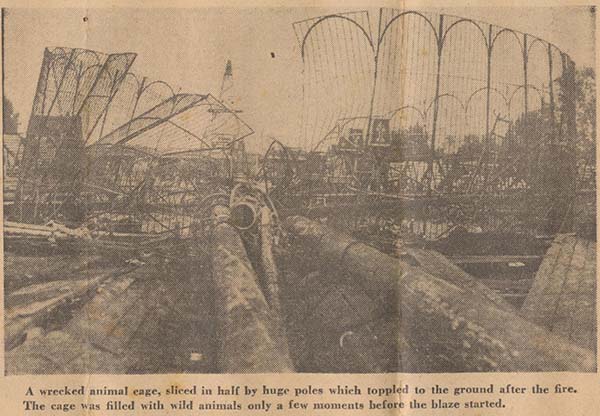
[(322, 259)]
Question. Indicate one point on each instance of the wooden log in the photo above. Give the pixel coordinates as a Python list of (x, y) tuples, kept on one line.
[(22, 317), (441, 267), (269, 268), (20, 271), (108, 243), (59, 353), (125, 319), (314, 318), (563, 295), (457, 328), (495, 259), (248, 337), (330, 325), (118, 328)]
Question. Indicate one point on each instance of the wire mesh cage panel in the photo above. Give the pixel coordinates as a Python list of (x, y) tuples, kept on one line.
[(120, 153), (74, 89), (479, 117)]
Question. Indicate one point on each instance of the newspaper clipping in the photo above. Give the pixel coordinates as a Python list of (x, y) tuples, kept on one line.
[(334, 208)]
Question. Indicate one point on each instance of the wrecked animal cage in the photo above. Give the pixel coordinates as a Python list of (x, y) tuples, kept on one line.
[(107, 150), (479, 132)]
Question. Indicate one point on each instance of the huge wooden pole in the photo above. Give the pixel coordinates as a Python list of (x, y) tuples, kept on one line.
[(249, 336), (269, 268), (452, 327)]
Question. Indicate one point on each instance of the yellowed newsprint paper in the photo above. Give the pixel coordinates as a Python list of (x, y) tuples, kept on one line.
[(303, 208)]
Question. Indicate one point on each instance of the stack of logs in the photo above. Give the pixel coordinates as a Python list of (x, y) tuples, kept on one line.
[(447, 321)]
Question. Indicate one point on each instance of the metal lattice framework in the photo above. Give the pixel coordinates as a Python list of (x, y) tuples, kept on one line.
[(460, 117), (103, 146)]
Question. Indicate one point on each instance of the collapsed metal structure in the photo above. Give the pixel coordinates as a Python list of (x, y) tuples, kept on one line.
[(425, 128), (107, 150), (460, 136), (460, 122)]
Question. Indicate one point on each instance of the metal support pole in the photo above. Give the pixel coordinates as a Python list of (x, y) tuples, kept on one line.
[(528, 156), (487, 148), (373, 92), (551, 89), (440, 47), (488, 91)]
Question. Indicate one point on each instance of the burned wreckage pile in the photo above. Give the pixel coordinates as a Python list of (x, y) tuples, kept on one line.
[(419, 235)]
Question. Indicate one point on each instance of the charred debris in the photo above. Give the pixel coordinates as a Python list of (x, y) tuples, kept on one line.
[(434, 229)]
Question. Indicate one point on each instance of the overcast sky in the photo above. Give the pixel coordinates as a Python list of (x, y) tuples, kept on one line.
[(188, 49)]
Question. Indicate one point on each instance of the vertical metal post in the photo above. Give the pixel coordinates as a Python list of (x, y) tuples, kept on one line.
[(551, 89), (79, 77), (375, 69), (117, 82), (440, 46), (486, 148), (488, 86), (113, 93), (526, 107), (525, 80), (39, 89), (60, 84), (138, 96), (91, 90), (29, 140), (568, 147)]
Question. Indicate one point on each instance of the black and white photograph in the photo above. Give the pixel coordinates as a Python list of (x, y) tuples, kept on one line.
[(299, 190)]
